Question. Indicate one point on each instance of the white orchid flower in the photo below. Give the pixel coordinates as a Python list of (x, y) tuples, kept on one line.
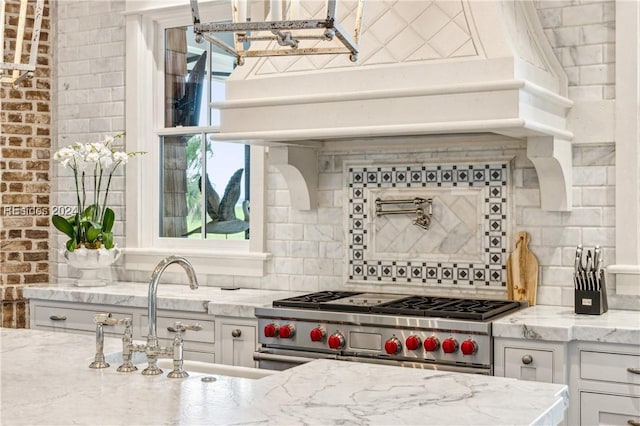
[(106, 161), (123, 157), (92, 157)]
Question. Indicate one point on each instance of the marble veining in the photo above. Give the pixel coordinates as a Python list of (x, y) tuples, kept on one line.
[(49, 383), (558, 323), (213, 300)]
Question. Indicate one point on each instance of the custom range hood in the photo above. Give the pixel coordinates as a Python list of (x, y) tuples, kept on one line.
[(425, 68)]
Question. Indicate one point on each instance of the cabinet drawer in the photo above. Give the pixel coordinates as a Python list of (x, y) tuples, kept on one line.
[(604, 409), (610, 367), (528, 364), (70, 319), (238, 344), (206, 335)]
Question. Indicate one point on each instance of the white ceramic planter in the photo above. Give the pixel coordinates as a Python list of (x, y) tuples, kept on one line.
[(92, 264)]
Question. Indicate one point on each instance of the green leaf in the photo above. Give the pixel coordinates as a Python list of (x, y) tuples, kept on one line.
[(88, 212), (64, 226), (92, 233), (108, 220), (71, 245), (107, 240)]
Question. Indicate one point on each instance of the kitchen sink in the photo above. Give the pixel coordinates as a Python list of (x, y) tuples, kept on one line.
[(207, 368), (195, 367)]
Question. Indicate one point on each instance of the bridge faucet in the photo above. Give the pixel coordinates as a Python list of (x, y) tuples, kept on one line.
[(153, 349)]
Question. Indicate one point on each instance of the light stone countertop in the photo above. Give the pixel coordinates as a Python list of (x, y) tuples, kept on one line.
[(557, 323), (541, 322), (46, 381), (214, 300)]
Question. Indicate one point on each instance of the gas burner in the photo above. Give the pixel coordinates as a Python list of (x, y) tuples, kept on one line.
[(399, 304), (445, 307)]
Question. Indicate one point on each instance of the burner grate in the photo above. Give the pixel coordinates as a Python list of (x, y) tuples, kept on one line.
[(313, 300), (444, 307)]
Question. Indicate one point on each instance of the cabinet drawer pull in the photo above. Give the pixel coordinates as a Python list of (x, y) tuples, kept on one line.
[(633, 422), (58, 318), (633, 370), (527, 359), (236, 333)]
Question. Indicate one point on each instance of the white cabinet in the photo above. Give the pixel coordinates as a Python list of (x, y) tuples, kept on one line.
[(199, 345), (238, 341), (73, 317), (226, 340), (605, 384), (78, 318), (530, 360), (604, 409)]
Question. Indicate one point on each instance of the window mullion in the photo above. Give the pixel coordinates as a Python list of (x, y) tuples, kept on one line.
[(203, 192)]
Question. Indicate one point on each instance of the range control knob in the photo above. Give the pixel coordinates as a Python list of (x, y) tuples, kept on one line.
[(468, 347), (317, 334), (336, 341), (392, 346), (270, 330), (412, 343), (449, 346), (287, 331), (431, 344)]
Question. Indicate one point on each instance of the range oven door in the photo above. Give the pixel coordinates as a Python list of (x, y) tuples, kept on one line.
[(281, 359)]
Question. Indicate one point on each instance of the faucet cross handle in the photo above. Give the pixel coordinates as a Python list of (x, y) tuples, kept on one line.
[(101, 319), (178, 371)]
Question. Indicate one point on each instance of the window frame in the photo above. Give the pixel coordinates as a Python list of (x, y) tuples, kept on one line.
[(144, 129)]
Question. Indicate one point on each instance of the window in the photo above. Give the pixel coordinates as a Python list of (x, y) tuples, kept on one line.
[(204, 192), (189, 195)]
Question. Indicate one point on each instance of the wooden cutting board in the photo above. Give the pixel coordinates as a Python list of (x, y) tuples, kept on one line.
[(522, 271)]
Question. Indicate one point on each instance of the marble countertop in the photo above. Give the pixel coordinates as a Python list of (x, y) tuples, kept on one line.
[(214, 300), (49, 382), (557, 323)]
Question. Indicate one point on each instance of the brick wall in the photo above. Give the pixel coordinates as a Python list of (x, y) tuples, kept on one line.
[(25, 141)]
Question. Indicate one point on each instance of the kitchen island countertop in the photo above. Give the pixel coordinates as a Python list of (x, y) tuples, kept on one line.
[(46, 380)]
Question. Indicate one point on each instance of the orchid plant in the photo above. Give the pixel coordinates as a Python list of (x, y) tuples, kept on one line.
[(93, 166)]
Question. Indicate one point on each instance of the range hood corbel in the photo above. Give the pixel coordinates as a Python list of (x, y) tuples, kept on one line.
[(299, 167), (552, 160)]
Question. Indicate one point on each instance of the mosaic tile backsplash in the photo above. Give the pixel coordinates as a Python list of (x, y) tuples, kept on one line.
[(466, 243)]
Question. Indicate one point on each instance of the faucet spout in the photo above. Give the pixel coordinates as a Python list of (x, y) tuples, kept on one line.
[(152, 337)]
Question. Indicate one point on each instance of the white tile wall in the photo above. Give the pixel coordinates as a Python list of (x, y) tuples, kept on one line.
[(582, 33), (88, 91), (308, 247)]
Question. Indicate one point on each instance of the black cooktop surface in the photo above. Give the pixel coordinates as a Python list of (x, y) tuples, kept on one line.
[(313, 300), (397, 304)]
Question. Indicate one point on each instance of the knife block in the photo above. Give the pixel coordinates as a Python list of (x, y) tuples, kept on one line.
[(592, 302)]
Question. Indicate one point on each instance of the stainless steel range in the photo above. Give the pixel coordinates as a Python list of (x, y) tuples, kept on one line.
[(415, 331)]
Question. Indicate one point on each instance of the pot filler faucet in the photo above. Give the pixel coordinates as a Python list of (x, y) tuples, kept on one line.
[(151, 349)]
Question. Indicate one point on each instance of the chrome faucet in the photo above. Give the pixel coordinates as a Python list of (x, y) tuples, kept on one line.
[(152, 348)]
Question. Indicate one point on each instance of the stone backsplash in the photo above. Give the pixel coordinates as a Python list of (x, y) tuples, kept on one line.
[(465, 243)]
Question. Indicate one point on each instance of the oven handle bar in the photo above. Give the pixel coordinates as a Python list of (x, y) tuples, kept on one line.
[(291, 359)]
